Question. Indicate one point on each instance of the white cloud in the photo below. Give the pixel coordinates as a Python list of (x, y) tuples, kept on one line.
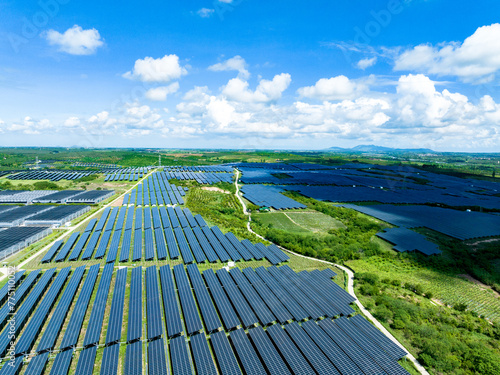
[(163, 69), (237, 63), (30, 126), (335, 88), (477, 59), (226, 1), (160, 93), (366, 63), (75, 40), (205, 12), (267, 91), (72, 122)]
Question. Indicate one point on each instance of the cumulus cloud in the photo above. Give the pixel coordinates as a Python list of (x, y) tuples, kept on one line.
[(75, 41), (335, 88), (205, 12), (160, 93), (366, 63), (477, 59), (164, 69), (267, 90), (72, 122), (30, 126), (236, 63)]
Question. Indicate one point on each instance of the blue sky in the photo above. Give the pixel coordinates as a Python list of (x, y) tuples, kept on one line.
[(246, 74)]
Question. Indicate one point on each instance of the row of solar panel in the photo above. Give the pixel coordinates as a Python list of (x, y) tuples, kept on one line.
[(50, 175), (345, 345), (123, 177), (172, 232)]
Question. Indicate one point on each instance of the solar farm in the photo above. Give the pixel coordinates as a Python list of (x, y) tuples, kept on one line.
[(146, 286)]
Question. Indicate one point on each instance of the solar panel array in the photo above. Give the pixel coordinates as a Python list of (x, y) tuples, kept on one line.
[(54, 196), (199, 342), (52, 175), (155, 190), (152, 233)]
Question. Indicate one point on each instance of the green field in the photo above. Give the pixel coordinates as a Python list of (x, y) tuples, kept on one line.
[(305, 221)]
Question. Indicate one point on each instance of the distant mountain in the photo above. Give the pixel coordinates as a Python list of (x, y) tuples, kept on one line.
[(379, 149)]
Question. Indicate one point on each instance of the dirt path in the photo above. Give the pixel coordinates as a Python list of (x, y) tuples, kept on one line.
[(350, 284)]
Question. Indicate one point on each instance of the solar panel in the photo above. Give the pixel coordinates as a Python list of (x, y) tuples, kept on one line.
[(153, 309), (134, 326), (36, 366), (11, 284), (114, 330), (171, 309), (201, 354), (113, 247), (173, 217), (133, 359), (362, 360), (257, 255), (157, 363), (341, 361), (268, 254), (195, 246), (309, 349), (260, 308), (244, 311), (214, 242), (97, 315), (125, 250), (226, 311), (12, 367), (375, 352), (285, 298), (103, 245), (54, 327), (226, 359), (173, 249), (164, 217), (280, 312), (205, 245), (188, 305), (182, 219), (161, 246), (207, 308), (190, 218), (91, 246), (226, 244), (86, 361), (52, 252), (62, 362), (137, 250), (27, 340), (239, 247), (187, 257), (201, 222), (66, 248), (75, 322), (267, 352), (149, 245), (100, 224), (110, 357), (292, 355), (181, 364), (375, 335), (75, 254), (111, 220), (247, 356)]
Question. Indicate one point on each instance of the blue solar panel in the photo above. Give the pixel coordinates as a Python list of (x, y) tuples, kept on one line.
[(138, 218), (103, 245), (52, 252), (173, 217), (260, 308), (137, 250), (309, 349), (86, 361), (268, 353), (56, 322), (34, 326), (182, 219), (226, 360), (208, 312), (147, 218), (75, 322), (282, 294), (244, 311), (171, 309), (181, 364), (113, 247), (149, 251), (164, 217), (114, 330), (91, 246), (190, 218), (187, 257), (37, 364), (173, 249), (97, 316), (100, 224), (12, 367), (157, 363), (153, 308), (125, 250), (201, 354), (205, 245), (201, 222), (246, 353), (226, 244), (242, 250), (11, 284), (257, 254), (161, 246), (110, 356), (62, 363), (77, 250), (221, 253), (134, 326), (226, 311), (111, 220), (189, 310), (61, 256), (268, 254), (133, 359), (195, 246)]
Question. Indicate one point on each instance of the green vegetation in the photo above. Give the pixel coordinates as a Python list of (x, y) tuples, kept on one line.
[(446, 341)]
